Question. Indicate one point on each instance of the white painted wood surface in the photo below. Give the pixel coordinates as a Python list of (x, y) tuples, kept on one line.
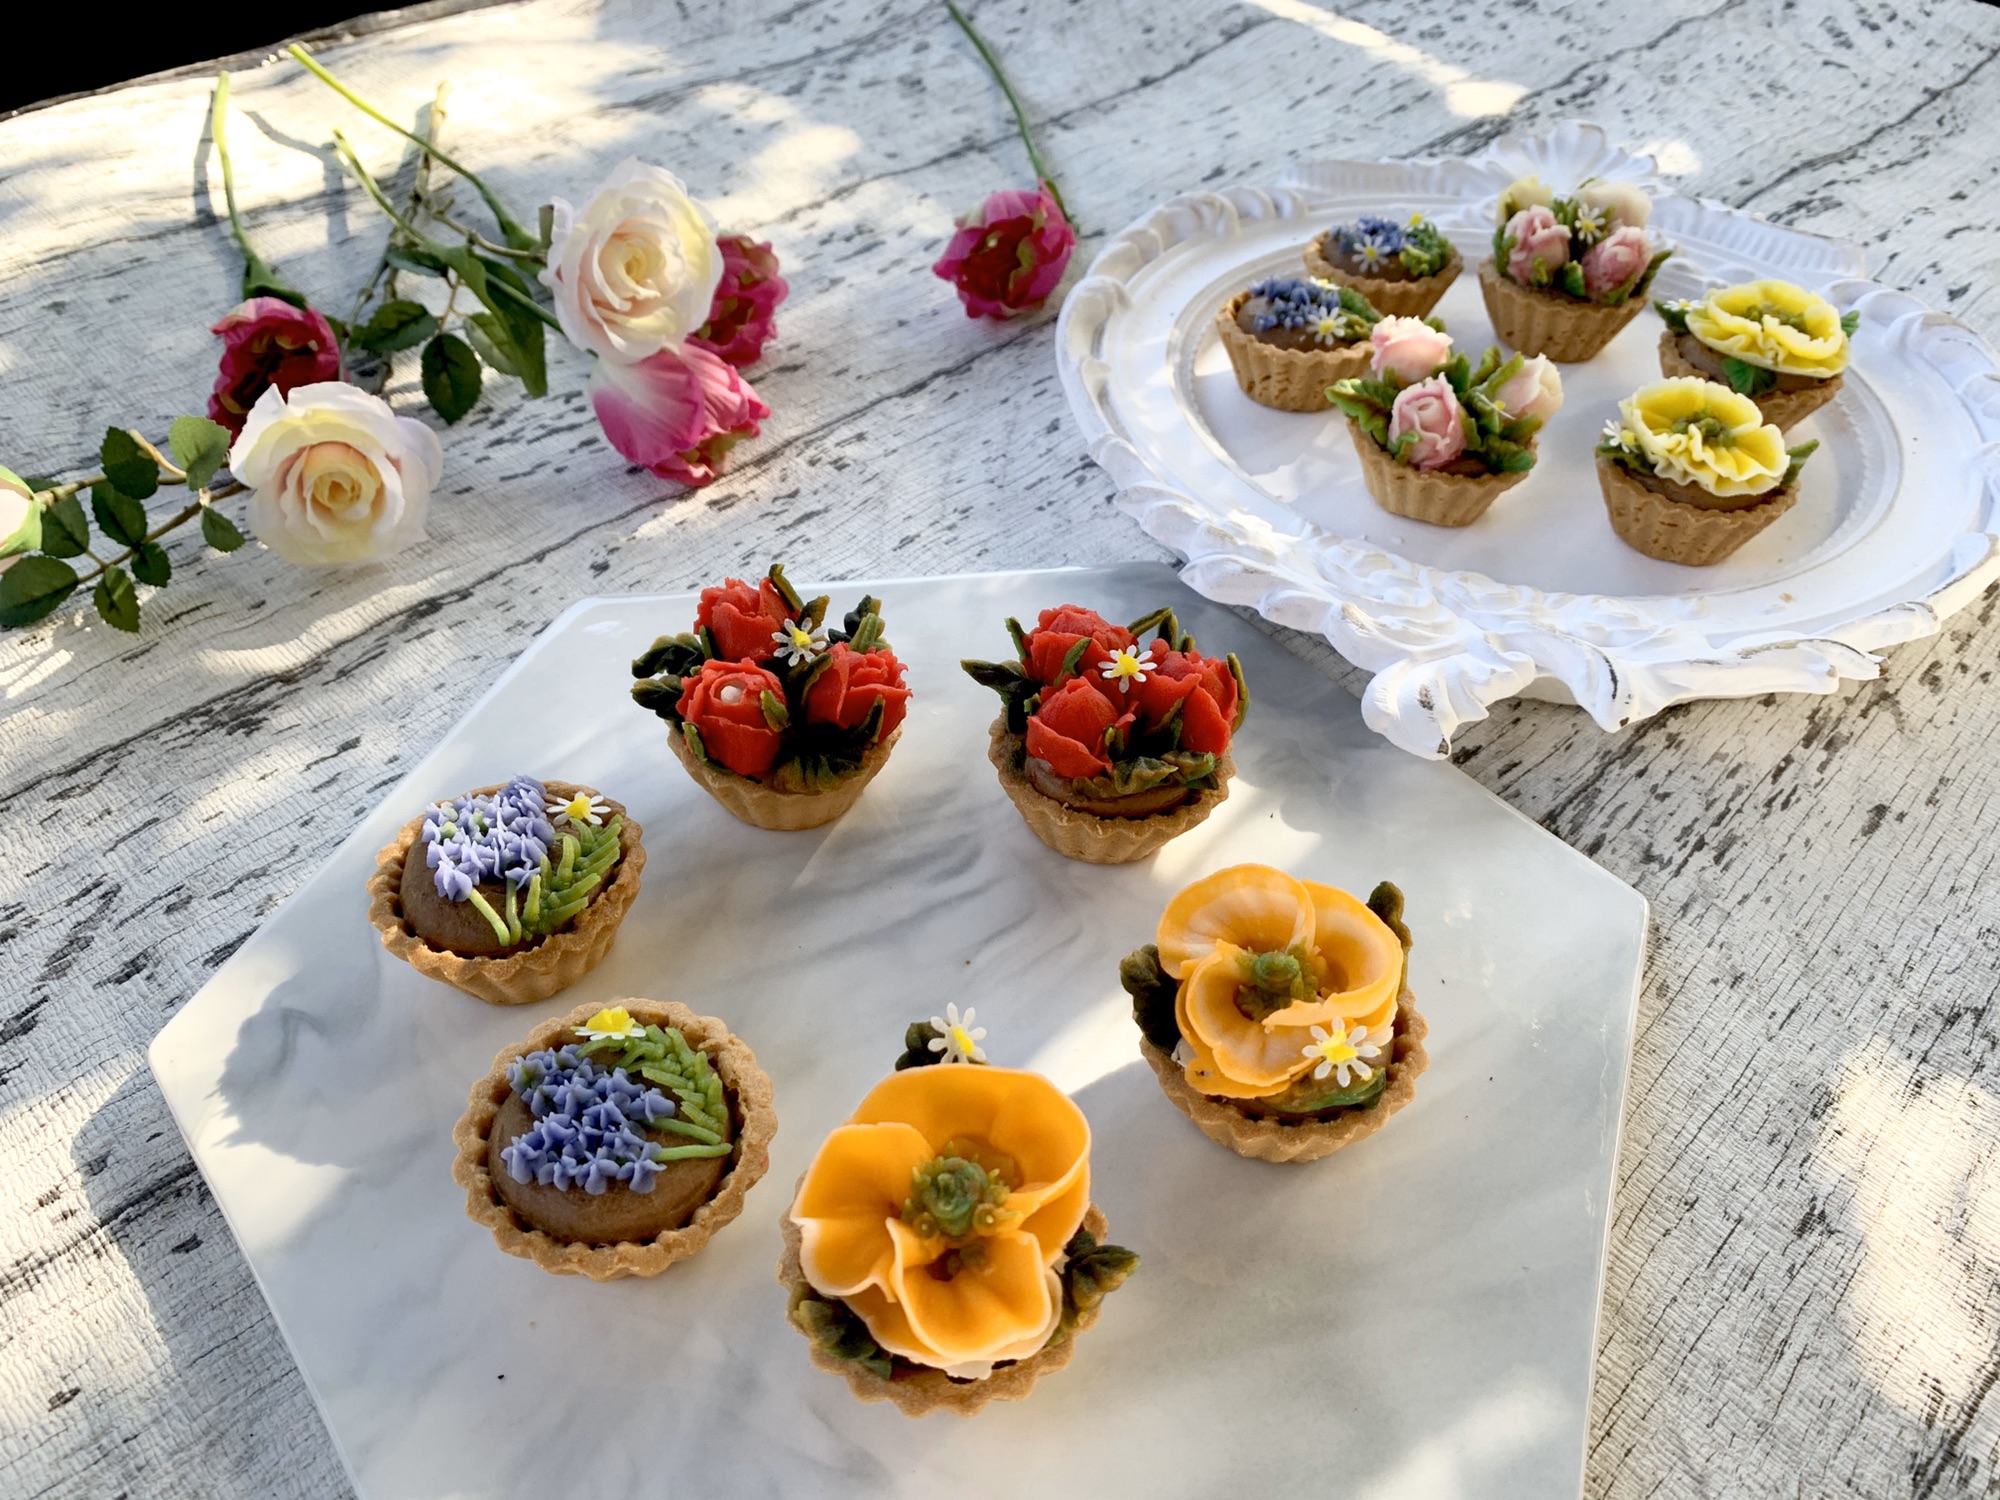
[(1805, 1260)]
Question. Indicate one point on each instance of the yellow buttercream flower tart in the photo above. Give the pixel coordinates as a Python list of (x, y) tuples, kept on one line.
[(1276, 1012), (1782, 346), (942, 1251)]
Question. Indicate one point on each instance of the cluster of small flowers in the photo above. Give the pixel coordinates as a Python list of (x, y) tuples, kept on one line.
[(1370, 241), (583, 1133), (475, 838), (1304, 303)]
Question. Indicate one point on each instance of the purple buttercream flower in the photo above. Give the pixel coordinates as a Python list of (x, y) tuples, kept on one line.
[(582, 1135)]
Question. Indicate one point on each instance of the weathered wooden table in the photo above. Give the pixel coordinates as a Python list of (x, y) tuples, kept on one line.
[(1805, 1257)]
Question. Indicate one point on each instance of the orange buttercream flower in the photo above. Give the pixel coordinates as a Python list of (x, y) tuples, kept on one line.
[(1303, 954), (938, 1213)]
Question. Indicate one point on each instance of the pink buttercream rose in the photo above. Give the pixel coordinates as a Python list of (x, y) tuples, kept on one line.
[(1408, 348), (1615, 261), (1534, 235), (1535, 390), (1430, 411), (676, 414), (1008, 254), (742, 318)]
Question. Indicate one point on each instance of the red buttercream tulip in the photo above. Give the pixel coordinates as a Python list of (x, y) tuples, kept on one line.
[(846, 690), (268, 344), (1008, 254), (1067, 731), (743, 617), (725, 701), (743, 316), (1058, 629)]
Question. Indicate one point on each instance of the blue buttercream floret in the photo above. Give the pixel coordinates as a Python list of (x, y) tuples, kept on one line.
[(476, 838), (1370, 241), (1332, 314), (584, 1134)]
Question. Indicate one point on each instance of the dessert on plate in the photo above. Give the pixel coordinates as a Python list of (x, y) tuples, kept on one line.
[(510, 892), (614, 1142), (1277, 1013), (1568, 273), (1781, 345), (942, 1251), (1109, 747), (1691, 470), (1439, 438), (1288, 339), (779, 717), (1402, 269)]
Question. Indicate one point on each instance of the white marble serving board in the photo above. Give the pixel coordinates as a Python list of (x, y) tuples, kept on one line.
[(1414, 1316)]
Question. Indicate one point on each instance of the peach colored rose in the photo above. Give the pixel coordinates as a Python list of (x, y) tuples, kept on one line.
[(1408, 348), (1430, 411), (1538, 246), (1615, 261), (1536, 390)]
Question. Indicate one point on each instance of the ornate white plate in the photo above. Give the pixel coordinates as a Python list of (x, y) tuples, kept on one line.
[(1894, 530)]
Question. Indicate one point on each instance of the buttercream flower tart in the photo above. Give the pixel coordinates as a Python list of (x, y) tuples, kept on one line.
[(614, 1142), (1439, 438), (1109, 747), (1288, 339), (1691, 471), (1781, 345), (942, 1251), (1567, 273), (1402, 269), (509, 892), (1277, 1013), (781, 718)]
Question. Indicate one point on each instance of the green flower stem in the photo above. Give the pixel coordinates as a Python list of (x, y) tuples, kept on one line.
[(419, 198), (257, 273), (203, 499), (681, 1127), (510, 230), (685, 1153), (1013, 101), (172, 470), (533, 257)]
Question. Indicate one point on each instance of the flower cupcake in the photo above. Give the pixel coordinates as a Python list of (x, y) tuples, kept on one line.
[(1568, 273), (511, 892), (1402, 269), (1277, 1013), (942, 1251), (1289, 339), (1109, 748), (614, 1142), (1691, 471), (1781, 345), (1439, 439), (779, 718)]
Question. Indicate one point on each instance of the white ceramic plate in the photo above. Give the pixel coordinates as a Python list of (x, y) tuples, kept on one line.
[(1414, 1313), (1894, 528)]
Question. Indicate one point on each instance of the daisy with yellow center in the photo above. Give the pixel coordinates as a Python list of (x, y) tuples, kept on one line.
[(799, 644), (584, 807), (614, 1021), (957, 1038), (1340, 1052), (1125, 667)]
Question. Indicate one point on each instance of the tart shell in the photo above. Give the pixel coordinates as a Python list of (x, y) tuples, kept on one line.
[(1675, 532), (1535, 321), (783, 812), (1287, 379), (1085, 836), (733, 1061), (1392, 299), (1439, 499), (1782, 409)]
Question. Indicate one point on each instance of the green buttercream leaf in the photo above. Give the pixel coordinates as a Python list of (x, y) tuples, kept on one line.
[(917, 1053), (1091, 1273), (838, 1331), (1153, 992), (1747, 379), (1674, 317), (1849, 322), (675, 655)]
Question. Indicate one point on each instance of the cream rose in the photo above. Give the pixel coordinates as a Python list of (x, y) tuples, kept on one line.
[(337, 477), (20, 519), (1535, 390), (635, 269), (1621, 203), (1522, 192)]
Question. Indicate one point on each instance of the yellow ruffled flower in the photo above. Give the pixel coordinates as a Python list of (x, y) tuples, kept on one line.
[(1522, 192), (1697, 432), (1773, 325)]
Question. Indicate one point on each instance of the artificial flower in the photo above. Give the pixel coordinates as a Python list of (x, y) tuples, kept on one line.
[(1773, 325), (1693, 431), (850, 685), (1124, 667), (724, 702), (1008, 253), (614, 1022), (957, 1038), (1429, 415), (268, 344), (677, 414), (1615, 262), (1408, 348), (584, 807), (741, 618), (1067, 731), (336, 476), (20, 519), (634, 271), (742, 316), (1535, 390), (1056, 633), (797, 644), (1537, 246)]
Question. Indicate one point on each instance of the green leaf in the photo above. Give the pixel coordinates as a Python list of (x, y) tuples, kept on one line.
[(127, 465), (1747, 379), (33, 587), (1153, 993), (451, 376), (65, 529), (119, 516), (1849, 322), (775, 713), (396, 325), (117, 600), (480, 336), (200, 447), (522, 326), (150, 564), (917, 1053), (417, 262), (1675, 318), (219, 531)]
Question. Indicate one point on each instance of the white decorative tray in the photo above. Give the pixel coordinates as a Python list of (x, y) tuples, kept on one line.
[(1414, 1316), (1894, 530)]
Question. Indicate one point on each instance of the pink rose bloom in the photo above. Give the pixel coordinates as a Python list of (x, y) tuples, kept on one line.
[(1008, 254), (1408, 348), (1429, 409), (1535, 235), (676, 414), (1615, 261), (1535, 390), (268, 344), (743, 316)]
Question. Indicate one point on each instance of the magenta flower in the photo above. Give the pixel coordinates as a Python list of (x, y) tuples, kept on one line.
[(1430, 412), (1008, 254), (743, 316), (268, 344), (675, 414)]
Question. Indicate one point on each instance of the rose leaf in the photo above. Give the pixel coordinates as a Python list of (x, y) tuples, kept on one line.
[(33, 587), (451, 376)]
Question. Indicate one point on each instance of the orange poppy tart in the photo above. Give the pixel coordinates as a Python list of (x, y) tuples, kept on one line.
[(1277, 1012), (942, 1251)]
